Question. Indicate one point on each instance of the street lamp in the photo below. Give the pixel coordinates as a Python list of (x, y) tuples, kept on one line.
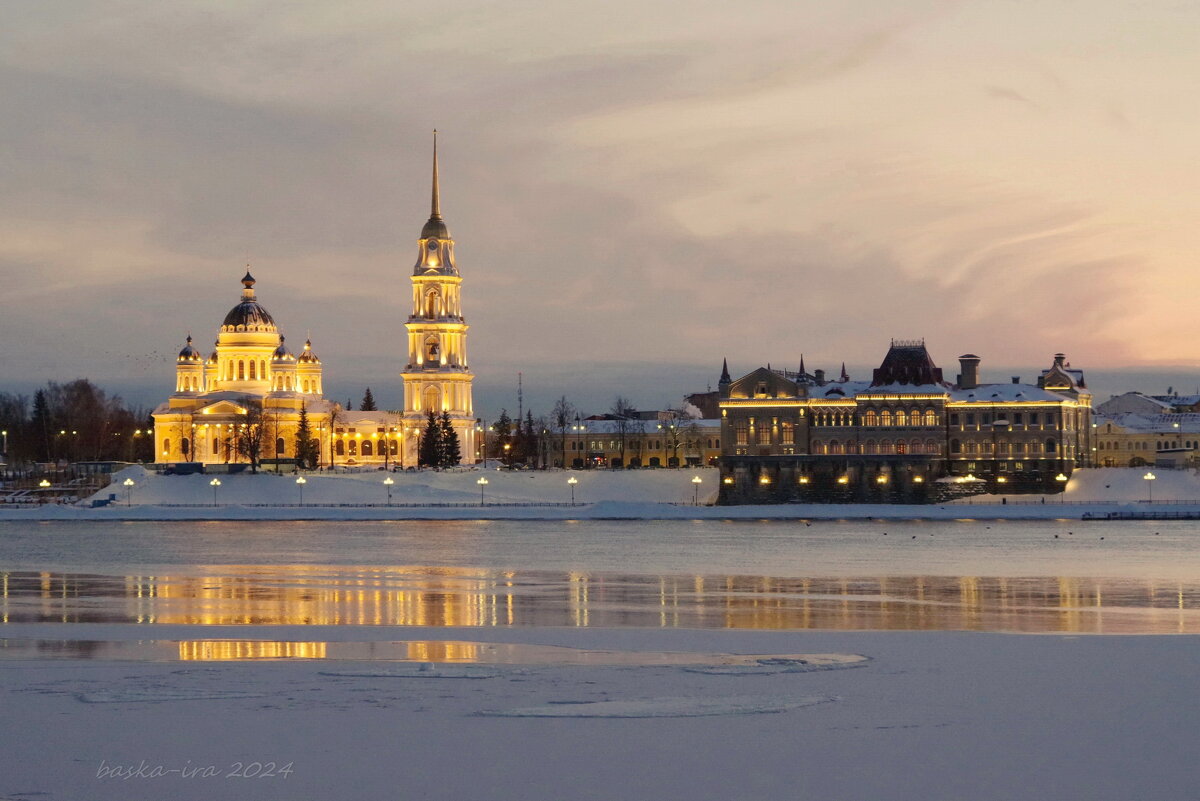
[(1149, 478), (1062, 479), (572, 481), (216, 482), (482, 482), (44, 483), (300, 482), (128, 484), (5, 435), (695, 490), (387, 482)]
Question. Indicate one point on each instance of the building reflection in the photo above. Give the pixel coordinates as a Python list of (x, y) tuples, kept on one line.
[(443, 596)]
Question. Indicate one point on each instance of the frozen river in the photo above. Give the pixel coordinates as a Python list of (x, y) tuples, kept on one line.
[(1055, 576)]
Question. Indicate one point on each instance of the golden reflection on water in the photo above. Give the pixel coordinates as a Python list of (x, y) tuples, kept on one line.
[(441, 596)]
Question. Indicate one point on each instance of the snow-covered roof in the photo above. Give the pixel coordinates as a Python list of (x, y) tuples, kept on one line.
[(646, 426), (1006, 393), (1176, 400), (1184, 423)]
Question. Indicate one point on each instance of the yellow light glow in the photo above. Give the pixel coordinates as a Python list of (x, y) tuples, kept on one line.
[(764, 480), (881, 479), (803, 479), (728, 479), (843, 479), (918, 479)]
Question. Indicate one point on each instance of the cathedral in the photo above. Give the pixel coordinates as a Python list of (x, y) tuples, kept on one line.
[(244, 403)]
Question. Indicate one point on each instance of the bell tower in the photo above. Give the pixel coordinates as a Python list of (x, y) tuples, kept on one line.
[(437, 375)]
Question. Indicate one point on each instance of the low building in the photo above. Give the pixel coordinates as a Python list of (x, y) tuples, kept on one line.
[(905, 435), (1140, 440), (666, 439)]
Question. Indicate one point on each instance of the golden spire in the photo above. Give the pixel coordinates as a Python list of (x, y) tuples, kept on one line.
[(436, 204)]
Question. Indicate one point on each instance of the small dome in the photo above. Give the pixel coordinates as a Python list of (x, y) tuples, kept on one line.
[(308, 357), (435, 227), (213, 359), (189, 354), (282, 354)]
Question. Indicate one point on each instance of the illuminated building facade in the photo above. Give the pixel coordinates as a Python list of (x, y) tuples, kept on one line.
[(904, 436), (437, 376), (252, 378)]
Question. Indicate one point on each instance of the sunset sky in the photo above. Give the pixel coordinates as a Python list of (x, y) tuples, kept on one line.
[(636, 189)]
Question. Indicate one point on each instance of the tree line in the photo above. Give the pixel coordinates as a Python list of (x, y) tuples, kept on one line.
[(73, 422)]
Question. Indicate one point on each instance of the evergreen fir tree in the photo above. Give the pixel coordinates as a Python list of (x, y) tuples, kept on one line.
[(368, 402), (429, 453), (503, 428), (306, 456), (349, 405), (41, 424), (451, 449)]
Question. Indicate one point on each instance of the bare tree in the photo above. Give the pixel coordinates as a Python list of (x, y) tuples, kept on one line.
[(624, 413), (561, 417), (248, 436)]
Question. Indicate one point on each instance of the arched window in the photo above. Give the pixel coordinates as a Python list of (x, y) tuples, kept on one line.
[(930, 417), (280, 446), (787, 434), (764, 435), (186, 446), (353, 447), (869, 418), (931, 446), (1051, 446), (367, 449), (340, 447), (901, 417), (253, 370), (429, 397), (166, 446), (393, 446), (955, 446), (241, 370), (262, 369), (901, 447), (835, 446), (741, 432), (431, 304), (870, 447), (885, 418)]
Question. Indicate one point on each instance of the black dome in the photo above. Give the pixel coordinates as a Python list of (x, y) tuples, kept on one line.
[(248, 313)]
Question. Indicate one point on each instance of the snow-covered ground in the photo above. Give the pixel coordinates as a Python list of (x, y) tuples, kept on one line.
[(599, 494), (931, 717)]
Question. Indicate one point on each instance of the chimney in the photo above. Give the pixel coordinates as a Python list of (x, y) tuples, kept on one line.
[(819, 375), (1016, 379), (1059, 358), (969, 377)]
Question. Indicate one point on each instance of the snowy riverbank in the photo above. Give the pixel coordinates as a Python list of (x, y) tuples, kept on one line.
[(599, 495)]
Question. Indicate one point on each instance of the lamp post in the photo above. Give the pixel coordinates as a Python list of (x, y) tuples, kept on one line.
[(696, 491), (5, 435), (387, 482), (300, 482), (572, 481), (1149, 479), (216, 482), (128, 484), (482, 482), (1062, 479)]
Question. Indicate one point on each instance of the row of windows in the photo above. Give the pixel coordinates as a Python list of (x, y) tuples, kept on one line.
[(1144, 446), (1049, 446), (654, 445), (351, 447), (900, 417)]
